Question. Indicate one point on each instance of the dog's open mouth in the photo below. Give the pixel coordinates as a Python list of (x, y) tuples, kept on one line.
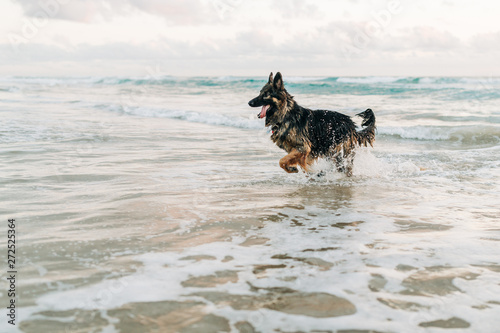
[(262, 113)]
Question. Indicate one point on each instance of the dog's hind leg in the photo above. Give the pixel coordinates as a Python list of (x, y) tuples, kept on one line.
[(306, 162), (349, 162), (344, 162), (339, 162)]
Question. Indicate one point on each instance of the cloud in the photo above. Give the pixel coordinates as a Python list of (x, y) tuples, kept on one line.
[(238, 57), (338, 41), (486, 42), (254, 41), (186, 12), (416, 39), (71, 10), (296, 9), (432, 39)]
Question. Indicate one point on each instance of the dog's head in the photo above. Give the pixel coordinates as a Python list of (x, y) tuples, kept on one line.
[(272, 98)]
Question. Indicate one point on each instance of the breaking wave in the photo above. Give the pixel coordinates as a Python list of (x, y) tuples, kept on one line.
[(208, 118), (462, 134)]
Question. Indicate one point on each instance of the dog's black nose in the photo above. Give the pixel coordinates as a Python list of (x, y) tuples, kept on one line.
[(251, 103)]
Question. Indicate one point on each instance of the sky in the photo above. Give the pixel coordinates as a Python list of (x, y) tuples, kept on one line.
[(249, 38)]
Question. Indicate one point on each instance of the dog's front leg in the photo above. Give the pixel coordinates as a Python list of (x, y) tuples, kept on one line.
[(290, 161)]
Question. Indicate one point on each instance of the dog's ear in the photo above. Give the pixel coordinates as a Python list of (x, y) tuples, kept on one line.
[(278, 82), (270, 78)]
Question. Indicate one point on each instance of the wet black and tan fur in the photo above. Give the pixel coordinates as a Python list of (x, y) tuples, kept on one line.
[(309, 134)]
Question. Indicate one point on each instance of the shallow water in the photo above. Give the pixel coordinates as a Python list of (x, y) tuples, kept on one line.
[(158, 205)]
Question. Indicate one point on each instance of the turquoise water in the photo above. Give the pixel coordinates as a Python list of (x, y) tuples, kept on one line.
[(158, 204)]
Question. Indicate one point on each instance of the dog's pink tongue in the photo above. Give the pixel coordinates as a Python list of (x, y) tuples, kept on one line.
[(262, 113)]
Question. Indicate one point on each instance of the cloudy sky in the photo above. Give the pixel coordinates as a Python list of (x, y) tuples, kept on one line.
[(243, 37)]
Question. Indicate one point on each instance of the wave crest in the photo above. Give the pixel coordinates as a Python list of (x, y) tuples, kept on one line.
[(463, 134), (186, 115)]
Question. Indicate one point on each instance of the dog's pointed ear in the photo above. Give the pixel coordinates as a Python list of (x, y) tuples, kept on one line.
[(278, 82), (270, 78)]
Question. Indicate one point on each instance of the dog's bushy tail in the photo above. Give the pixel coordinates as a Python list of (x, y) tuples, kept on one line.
[(367, 134)]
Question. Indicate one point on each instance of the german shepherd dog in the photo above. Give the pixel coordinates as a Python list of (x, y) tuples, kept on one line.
[(309, 134)]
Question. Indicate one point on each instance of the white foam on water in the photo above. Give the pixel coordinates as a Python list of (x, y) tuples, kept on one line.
[(298, 79), (367, 165), (481, 82), (466, 134), (190, 116), (417, 132), (369, 80), (427, 80), (358, 252)]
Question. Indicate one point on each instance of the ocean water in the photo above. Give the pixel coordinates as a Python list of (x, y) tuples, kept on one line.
[(157, 205)]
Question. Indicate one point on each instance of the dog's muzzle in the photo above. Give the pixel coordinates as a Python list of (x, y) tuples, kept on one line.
[(254, 102)]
